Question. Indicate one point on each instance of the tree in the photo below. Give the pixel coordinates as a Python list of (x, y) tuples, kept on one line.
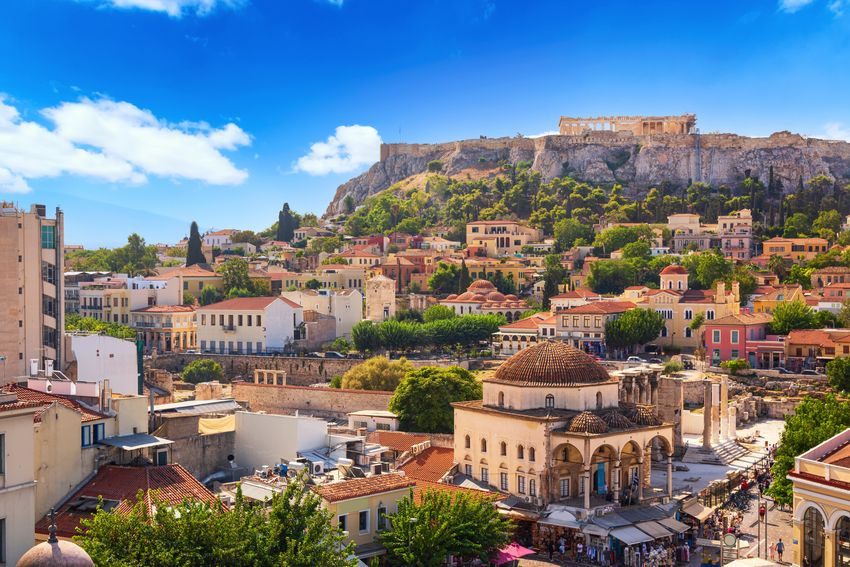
[(639, 249), (210, 295), (567, 231), (790, 315), (422, 400), (194, 254), (377, 373), (776, 264), (341, 344), (423, 534), (553, 276), (348, 204), (312, 283), (706, 268), (74, 322), (399, 335), (616, 237), (828, 220), (366, 336), (437, 312), (408, 314), (202, 370), (188, 298), (797, 225), (813, 422), (285, 224), (294, 530), (246, 236), (463, 278), (634, 327), (611, 276), (825, 319), (234, 275), (445, 278), (838, 371), (735, 365)]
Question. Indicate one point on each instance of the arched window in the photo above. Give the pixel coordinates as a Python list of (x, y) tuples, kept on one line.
[(842, 541), (679, 283), (466, 442), (813, 538), (531, 454), (483, 445), (599, 400), (550, 401), (503, 449), (520, 452), (501, 399)]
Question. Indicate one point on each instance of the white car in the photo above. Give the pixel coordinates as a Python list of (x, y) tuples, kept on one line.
[(635, 360)]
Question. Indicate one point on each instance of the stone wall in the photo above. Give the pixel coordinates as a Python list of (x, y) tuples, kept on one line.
[(201, 455), (320, 402), (693, 393)]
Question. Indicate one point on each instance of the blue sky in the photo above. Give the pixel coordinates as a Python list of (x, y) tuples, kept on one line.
[(143, 115)]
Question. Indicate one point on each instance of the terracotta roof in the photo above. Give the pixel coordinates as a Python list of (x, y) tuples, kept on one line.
[(493, 222), (18, 405), (743, 319), (222, 232), (616, 420), (600, 308), (580, 293), (551, 363), (832, 270), (809, 337), (246, 304), (636, 287), (781, 293), (165, 309), (396, 440), (423, 486), (673, 269), (698, 296), (643, 415), (44, 400), (531, 322), (432, 464), (587, 422), (359, 487), (358, 254), (195, 270), (172, 484), (481, 286)]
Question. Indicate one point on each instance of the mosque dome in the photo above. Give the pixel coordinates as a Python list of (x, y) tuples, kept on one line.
[(551, 363), (587, 422)]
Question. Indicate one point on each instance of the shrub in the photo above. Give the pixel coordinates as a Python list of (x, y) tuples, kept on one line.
[(672, 366), (203, 370), (735, 365)]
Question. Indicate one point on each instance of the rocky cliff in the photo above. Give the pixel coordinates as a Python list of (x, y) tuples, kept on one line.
[(636, 162)]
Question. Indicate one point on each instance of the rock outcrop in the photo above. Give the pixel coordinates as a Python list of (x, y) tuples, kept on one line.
[(636, 162)]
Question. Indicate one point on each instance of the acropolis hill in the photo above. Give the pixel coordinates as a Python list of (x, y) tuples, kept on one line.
[(638, 152)]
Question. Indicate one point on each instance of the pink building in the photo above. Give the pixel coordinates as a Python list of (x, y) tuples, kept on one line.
[(743, 336)]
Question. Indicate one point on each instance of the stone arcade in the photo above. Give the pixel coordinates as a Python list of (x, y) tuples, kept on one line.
[(637, 125)]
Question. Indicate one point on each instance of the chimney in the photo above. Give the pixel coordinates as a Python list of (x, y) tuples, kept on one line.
[(721, 292), (736, 291)]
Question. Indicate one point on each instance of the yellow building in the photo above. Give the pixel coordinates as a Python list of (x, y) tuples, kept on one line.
[(168, 328), (821, 519), (500, 237), (769, 301), (794, 249), (360, 507), (193, 278)]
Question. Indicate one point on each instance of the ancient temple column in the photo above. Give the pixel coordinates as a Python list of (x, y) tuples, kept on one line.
[(654, 390), (724, 408), (615, 482), (586, 475), (707, 425), (670, 476), (732, 426)]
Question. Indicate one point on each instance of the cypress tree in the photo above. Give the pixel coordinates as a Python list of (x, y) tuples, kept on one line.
[(194, 254), (285, 224), (463, 280)]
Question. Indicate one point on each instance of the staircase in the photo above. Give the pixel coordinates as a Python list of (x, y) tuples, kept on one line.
[(728, 453)]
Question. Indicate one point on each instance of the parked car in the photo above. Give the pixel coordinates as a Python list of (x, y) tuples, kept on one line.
[(783, 370), (313, 355), (656, 360), (810, 372), (635, 360), (334, 354), (191, 351)]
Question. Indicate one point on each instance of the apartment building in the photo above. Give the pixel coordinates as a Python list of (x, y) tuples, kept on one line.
[(166, 328), (688, 232), (736, 234), (219, 238), (31, 288), (793, 249), (113, 298), (246, 325), (745, 336), (584, 326), (192, 279), (500, 238), (344, 305)]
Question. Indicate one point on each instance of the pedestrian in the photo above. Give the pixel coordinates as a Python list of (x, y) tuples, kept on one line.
[(772, 551), (780, 549), (550, 547), (579, 551)]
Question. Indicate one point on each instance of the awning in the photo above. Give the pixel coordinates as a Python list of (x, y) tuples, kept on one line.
[(510, 553), (630, 535), (560, 518), (594, 530), (675, 525), (654, 529), (697, 510), (135, 441)]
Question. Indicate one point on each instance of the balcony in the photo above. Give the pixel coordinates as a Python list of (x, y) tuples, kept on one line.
[(228, 328)]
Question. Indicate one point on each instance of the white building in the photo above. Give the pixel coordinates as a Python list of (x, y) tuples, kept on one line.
[(373, 420), (219, 238), (100, 357), (345, 305), (246, 325), (269, 439)]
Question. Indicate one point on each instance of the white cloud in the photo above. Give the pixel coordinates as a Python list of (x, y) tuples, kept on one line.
[(837, 7), (836, 131), (174, 8), (546, 133), (112, 141), (349, 149), (791, 6)]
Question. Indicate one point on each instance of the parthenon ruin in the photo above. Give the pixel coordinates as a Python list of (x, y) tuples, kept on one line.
[(637, 125)]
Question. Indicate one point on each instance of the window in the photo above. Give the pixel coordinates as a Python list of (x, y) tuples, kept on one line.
[(483, 445), (564, 486), (531, 454), (467, 470), (382, 517), (689, 314), (250, 320), (363, 522), (709, 314), (86, 436), (733, 335), (2, 454), (99, 431), (520, 452), (503, 448), (501, 399), (664, 331), (520, 484), (688, 332), (239, 320), (466, 442), (485, 475), (48, 236), (734, 353), (343, 522), (550, 401), (715, 336), (259, 321), (532, 487), (503, 481)]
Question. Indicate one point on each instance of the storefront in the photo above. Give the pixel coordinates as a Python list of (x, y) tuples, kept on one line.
[(694, 515), (555, 525)]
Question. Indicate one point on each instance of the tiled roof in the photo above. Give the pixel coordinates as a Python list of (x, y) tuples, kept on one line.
[(165, 309), (43, 399), (358, 254), (423, 486), (246, 304), (359, 487), (580, 293), (743, 319), (172, 484), (431, 465), (18, 405), (396, 440), (809, 337), (600, 308), (551, 363), (673, 269), (222, 232), (195, 270), (698, 296)]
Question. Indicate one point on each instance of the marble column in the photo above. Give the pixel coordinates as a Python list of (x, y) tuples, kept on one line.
[(707, 425), (724, 408), (615, 482), (586, 475), (732, 427), (640, 479), (670, 476)]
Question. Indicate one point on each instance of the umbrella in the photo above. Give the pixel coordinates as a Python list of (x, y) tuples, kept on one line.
[(510, 553)]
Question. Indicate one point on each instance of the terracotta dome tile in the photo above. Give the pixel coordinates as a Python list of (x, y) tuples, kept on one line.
[(551, 363)]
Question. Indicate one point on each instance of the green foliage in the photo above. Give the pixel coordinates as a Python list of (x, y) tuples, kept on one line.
[(838, 371), (422, 400), (639, 249), (348, 204), (503, 283), (826, 319), (435, 166), (312, 283), (735, 365), (286, 224), (445, 278), (366, 336), (634, 327), (408, 315), (74, 322), (567, 230), (797, 226), (830, 221), (135, 258), (294, 531), (210, 295), (463, 278), (234, 274), (194, 254), (336, 381), (188, 298), (813, 422), (799, 274), (672, 366), (246, 236), (697, 321), (616, 237), (327, 244), (376, 373), (790, 315), (611, 276), (443, 524), (705, 268), (554, 275), (341, 344), (202, 370), (437, 312)]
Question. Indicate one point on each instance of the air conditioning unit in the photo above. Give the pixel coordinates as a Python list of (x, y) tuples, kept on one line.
[(317, 467), (377, 468)]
